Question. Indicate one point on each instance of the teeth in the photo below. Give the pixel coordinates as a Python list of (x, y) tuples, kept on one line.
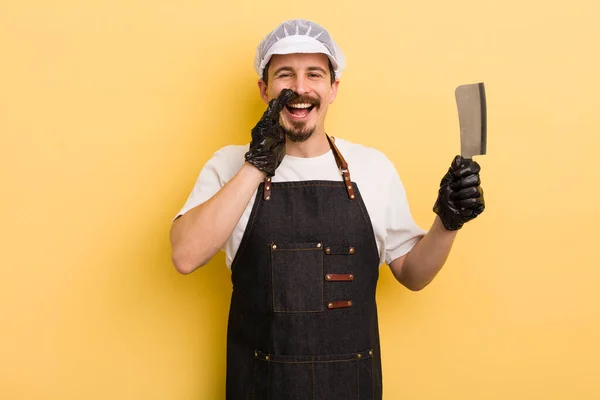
[(300, 105)]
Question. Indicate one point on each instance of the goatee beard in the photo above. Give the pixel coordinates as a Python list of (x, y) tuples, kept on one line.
[(299, 133)]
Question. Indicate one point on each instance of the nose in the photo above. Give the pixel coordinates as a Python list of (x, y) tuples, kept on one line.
[(300, 85)]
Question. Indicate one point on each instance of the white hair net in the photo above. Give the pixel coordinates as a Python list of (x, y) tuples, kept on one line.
[(298, 36)]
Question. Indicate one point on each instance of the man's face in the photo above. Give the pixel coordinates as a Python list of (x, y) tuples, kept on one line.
[(308, 75)]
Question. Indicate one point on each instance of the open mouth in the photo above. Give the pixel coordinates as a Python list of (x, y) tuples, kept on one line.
[(300, 110)]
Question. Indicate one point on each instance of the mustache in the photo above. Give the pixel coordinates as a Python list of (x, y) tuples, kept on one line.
[(298, 99)]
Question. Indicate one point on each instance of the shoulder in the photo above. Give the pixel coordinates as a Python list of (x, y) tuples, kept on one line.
[(227, 160), (230, 152), (365, 158)]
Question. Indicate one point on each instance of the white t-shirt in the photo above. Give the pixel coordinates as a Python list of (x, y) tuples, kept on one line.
[(378, 182)]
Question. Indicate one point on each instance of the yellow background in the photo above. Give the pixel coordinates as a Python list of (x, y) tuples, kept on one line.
[(108, 110)]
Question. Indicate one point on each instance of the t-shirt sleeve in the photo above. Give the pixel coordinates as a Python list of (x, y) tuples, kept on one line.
[(402, 231), (219, 169)]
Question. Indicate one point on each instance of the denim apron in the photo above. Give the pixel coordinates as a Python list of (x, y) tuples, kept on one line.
[(303, 317)]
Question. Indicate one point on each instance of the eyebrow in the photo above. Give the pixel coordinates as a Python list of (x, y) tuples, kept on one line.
[(290, 69), (281, 69), (320, 69)]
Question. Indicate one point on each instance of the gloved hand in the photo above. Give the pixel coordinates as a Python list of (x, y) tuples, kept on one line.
[(460, 198), (267, 147)]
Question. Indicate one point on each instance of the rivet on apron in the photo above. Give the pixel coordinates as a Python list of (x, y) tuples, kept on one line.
[(274, 246), (359, 355), (268, 187), (352, 197), (268, 198), (351, 276), (350, 303), (268, 179), (328, 277), (370, 352), (328, 250), (256, 354), (319, 245), (267, 358), (329, 305), (349, 187)]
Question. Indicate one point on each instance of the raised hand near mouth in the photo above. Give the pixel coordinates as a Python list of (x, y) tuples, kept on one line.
[(267, 147)]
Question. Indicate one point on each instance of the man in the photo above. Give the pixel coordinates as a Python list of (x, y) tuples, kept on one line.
[(306, 220)]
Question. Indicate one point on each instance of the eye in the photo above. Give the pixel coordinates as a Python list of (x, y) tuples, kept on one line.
[(314, 75), (284, 75)]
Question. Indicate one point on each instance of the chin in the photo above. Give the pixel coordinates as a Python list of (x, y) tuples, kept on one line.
[(299, 138), (299, 135)]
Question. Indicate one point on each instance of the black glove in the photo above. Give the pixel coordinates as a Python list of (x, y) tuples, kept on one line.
[(267, 147), (460, 198)]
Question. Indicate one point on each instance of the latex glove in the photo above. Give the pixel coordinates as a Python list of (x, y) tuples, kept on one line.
[(267, 147), (460, 198)]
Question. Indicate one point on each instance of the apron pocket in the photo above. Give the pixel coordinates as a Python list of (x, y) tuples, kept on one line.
[(297, 277), (341, 376)]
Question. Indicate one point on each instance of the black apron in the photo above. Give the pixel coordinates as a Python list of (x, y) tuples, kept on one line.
[(303, 317)]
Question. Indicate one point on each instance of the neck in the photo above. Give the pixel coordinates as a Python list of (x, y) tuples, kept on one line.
[(315, 146)]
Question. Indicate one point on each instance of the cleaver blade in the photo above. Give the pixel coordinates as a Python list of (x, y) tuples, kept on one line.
[(472, 118)]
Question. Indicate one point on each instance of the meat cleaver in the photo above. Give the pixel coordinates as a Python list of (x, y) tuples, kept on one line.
[(470, 101)]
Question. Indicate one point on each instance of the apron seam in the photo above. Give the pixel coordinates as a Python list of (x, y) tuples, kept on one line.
[(357, 380), (313, 380), (249, 227)]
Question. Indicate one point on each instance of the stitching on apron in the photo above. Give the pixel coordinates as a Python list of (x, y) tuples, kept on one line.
[(372, 377), (255, 214), (363, 211), (357, 381), (278, 249), (313, 379), (272, 280), (368, 222), (254, 381), (248, 230), (322, 285), (313, 185), (313, 362)]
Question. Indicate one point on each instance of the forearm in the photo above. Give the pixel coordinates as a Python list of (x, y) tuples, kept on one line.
[(201, 232), (426, 258)]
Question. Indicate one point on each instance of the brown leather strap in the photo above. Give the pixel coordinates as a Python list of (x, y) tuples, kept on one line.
[(343, 166), (339, 304), (339, 158), (339, 277), (338, 250), (267, 191)]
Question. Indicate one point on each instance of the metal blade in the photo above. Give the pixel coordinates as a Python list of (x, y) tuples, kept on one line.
[(470, 101)]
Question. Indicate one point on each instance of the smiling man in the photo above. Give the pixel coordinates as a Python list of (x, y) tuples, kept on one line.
[(310, 76), (304, 238)]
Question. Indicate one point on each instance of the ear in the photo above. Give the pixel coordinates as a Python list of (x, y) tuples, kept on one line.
[(262, 88), (333, 91)]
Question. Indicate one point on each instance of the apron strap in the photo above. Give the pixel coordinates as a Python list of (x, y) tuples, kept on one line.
[(342, 165)]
